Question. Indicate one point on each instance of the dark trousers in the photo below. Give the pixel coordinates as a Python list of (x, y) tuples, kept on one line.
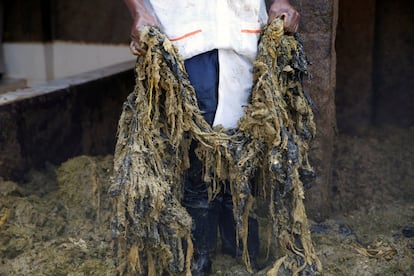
[(208, 216)]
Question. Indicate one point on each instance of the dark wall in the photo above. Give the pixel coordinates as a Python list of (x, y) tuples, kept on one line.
[(75, 117), (375, 76), (393, 79), (26, 20), (354, 48), (106, 21), (96, 21)]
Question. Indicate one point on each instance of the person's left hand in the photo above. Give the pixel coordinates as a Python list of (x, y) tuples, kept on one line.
[(290, 16)]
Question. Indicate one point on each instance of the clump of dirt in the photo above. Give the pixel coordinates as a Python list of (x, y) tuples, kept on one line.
[(367, 241), (59, 226), (372, 200), (58, 223)]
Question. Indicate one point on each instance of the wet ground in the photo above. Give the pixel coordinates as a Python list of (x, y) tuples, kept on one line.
[(58, 221)]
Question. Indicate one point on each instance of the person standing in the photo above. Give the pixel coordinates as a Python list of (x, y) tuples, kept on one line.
[(218, 42)]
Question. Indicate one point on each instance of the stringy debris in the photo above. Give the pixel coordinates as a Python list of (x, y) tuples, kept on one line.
[(151, 230)]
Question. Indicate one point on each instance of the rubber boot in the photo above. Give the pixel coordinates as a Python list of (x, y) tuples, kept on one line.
[(205, 216), (228, 232), (204, 234)]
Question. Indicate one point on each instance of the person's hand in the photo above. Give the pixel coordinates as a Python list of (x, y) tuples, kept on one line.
[(291, 18), (140, 21)]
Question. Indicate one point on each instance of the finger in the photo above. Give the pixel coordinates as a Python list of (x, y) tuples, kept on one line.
[(291, 28), (296, 21), (288, 26), (291, 24), (285, 17), (134, 49), (273, 16)]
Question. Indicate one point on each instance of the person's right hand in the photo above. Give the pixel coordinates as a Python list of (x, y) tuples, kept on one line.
[(140, 21), (291, 17)]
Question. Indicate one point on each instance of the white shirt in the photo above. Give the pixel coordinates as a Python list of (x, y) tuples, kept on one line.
[(231, 26)]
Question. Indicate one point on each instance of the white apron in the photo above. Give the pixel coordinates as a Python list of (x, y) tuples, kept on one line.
[(231, 26)]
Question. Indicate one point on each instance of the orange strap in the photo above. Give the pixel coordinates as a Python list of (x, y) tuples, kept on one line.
[(251, 31), (186, 35), (199, 31)]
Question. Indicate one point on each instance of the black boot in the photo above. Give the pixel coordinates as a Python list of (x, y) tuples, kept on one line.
[(204, 215), (228, 232), (204, 234), (201, 265)]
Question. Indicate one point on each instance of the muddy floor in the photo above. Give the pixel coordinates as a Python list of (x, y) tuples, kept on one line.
[(58, 221)]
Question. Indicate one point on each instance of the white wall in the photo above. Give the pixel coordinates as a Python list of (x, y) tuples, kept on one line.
[(38, 63)]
